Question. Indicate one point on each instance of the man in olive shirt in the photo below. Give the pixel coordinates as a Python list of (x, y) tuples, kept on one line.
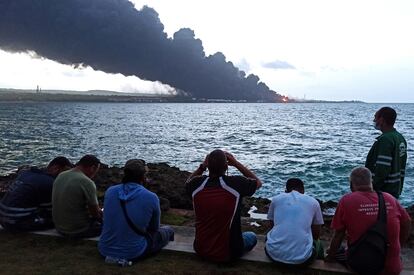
[(387, 158), (75, 208)]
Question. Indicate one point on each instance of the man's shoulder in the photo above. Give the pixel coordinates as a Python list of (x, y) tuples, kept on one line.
[(311, 199), (348, 197), (149, 194), (114, 188), (279, 197), (196, 180), (238, 179), (80, 178), (34, 176), (391, 137), (389, 198)]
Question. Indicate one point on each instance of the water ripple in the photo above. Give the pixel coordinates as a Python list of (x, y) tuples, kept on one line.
[(319, 143)]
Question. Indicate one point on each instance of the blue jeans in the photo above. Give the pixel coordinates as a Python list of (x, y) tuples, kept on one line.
[(249, 240), (156, 241)]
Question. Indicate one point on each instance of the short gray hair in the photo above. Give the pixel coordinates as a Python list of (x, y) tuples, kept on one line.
[(361, 176)]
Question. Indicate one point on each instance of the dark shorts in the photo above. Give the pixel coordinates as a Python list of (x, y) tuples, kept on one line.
[(156, 241), (93, 230)]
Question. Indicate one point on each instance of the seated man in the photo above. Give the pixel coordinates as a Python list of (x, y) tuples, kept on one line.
[(131, 229), (358, 210), (75, 208), (217, 201), (27, 205), (296, 220)]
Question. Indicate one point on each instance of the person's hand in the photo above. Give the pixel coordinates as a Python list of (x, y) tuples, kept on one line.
[(329, 258), (231, 160), (205, 162)]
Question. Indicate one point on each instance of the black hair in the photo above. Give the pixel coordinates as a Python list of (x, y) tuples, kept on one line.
[(60, 161), (88, 161), (389, 115), (217, 162), (294, 184), (132, 175)]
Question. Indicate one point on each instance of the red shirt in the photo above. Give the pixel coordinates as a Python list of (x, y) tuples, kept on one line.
[(357, 211), (217, 205)]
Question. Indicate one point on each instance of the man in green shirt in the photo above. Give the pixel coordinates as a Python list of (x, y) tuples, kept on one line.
[(388, 156), (75, 208)]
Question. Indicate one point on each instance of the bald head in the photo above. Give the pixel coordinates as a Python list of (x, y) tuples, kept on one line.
[(361, 179)]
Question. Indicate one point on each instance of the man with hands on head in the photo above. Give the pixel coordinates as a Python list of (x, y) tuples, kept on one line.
[(217, 202)]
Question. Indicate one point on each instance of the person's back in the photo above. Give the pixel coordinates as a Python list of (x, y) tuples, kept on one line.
[(387, 157), (217, 204), (27, 204), (72, 192), (293, 214), (29, 194), (357, 211), (131, 229), (118, 240), (217, 209), (31, 188)]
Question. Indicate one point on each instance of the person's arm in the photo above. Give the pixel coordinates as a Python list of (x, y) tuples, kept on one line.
[(231, 160), (270, 214), (405, 224), (95, 212), (405, 228), (382, 164), (335, 244), (317, 221), (154, 223), (200, 170)]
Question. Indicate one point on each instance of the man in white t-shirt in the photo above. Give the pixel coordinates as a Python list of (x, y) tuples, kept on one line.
[(296, 220)]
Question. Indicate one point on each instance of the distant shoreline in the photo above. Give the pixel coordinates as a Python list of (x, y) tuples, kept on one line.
[(15, 95)]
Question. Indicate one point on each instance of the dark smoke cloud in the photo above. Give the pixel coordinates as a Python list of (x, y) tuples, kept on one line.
[(115, 37), (278, 64)]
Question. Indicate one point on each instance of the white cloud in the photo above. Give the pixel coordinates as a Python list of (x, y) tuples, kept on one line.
[(23, 71)]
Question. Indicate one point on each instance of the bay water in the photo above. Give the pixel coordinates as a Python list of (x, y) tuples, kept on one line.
[(317, 142)]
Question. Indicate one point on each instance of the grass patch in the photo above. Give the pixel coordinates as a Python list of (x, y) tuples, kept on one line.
[(34, 254), (173, 219)]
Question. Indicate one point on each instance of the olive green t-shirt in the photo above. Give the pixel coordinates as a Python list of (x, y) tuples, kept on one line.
[(72, 193)]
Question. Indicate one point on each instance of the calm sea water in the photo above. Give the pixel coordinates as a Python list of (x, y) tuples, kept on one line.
[(319, 143)]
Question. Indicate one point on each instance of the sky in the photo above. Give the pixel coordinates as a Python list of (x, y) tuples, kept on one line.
[(327, 50)]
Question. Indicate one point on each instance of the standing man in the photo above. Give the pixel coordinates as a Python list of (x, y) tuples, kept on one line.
[(296, 221), (388, 156), (28, 204), (75, 208), (357, 211), (217, 202)]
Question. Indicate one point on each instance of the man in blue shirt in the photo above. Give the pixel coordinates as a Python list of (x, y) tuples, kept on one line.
[(27, 205), (131, 227)]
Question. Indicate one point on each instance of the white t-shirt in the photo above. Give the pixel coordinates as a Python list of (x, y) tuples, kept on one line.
[(290, 240)]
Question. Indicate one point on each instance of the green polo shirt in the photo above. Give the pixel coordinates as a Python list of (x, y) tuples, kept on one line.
[(72, 193), (387, 160)]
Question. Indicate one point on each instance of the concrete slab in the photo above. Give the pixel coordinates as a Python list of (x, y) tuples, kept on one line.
[(184, 237)]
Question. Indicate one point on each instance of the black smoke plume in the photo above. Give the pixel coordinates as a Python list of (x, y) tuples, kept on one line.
[(115, 37)]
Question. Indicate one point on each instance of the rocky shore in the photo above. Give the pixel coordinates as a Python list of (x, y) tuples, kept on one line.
[(168, 183)]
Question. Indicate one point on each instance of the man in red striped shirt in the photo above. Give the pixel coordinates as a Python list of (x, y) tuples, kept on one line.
[(217, 202)]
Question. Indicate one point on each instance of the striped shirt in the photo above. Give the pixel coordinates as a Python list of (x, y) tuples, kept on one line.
[(387, 161), (30, 193)]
